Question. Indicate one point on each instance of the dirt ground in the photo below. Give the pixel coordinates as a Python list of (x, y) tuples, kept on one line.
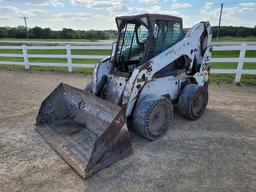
[(215, 153)]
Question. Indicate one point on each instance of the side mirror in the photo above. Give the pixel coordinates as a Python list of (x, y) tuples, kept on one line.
[(114, 48)]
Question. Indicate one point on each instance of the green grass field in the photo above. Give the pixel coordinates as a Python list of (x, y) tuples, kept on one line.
[(216, 78), (235, 39)]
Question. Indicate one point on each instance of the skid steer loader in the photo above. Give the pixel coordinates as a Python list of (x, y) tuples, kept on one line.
[(153, 67)]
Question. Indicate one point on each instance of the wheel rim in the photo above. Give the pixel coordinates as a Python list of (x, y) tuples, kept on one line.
[(198, 105), (159, 119)]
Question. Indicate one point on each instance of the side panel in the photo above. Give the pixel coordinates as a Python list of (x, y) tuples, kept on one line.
[(101, 68), (202, 75), (132, 90), (114, 88), (162, 86), (187, 46)]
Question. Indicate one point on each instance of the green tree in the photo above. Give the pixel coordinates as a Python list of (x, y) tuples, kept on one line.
[(67, 33), (3, 32)]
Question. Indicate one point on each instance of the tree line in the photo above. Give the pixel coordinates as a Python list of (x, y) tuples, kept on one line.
[(234, 31), (66, 33), (47, 33)]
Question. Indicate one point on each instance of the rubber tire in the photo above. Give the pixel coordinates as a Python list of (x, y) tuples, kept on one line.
[(206, 85), (142, 112), (88, 87), (187, 98)]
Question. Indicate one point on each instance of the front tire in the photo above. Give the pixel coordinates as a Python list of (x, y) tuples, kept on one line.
[(193, 101), (153, 117), (88, 87)]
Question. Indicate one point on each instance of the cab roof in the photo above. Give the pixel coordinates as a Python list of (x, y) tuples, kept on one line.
[(146, 19)]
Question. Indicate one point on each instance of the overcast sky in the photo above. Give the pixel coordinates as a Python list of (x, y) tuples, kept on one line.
[(100, 14)]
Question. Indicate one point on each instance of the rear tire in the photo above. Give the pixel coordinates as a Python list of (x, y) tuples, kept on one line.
[(193, 101), (153, 117), (206, 85)]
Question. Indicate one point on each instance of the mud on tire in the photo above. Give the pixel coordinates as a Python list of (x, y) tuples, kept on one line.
[(193, 101), (152, 117)]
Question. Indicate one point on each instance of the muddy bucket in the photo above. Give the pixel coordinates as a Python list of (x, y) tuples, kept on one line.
[(88, 132)]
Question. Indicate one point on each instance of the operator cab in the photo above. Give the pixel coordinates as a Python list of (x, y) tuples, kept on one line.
[(141, 37)]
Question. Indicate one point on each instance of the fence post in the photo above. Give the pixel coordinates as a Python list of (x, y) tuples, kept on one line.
[(25, 56), (240, 63), (69, 59)]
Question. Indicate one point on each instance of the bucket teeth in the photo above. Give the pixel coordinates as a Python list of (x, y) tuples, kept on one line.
[(88, 132)]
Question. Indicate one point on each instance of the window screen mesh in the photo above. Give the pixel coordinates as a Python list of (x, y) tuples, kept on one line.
[(166, 33), (129, 48)]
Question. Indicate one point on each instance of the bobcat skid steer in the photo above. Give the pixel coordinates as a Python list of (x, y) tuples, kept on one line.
[(153, 67)]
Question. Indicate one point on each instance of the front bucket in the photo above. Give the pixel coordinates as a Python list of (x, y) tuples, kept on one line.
[(90, 133)]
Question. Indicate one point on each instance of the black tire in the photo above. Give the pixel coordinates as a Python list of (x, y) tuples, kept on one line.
[(193, 101), (152, 117), (206, 85), (88, 87)]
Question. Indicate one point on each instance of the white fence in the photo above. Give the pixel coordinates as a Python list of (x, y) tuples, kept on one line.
[(68, 56), (240, 60), (69, 64)]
